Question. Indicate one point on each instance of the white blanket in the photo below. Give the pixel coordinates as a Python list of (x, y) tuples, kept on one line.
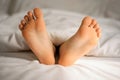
[(18, 64), (24, 66)]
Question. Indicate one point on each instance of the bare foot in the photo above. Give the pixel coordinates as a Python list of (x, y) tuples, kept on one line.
[(34, 32), (81, 43)]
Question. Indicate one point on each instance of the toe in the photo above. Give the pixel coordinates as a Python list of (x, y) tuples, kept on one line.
[(23, 22), (92, 23), (37, 13), (26, 18), (30, 15), (99, 35), (96, 26), (87, 21), (20, 26), (98, 30)]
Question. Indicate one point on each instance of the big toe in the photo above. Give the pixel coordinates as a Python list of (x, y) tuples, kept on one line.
[(37, 13), (87, 21)]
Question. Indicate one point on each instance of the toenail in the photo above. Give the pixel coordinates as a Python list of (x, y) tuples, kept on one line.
[(30, 13), (23, 22)]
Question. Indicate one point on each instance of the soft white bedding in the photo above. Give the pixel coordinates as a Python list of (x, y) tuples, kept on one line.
[(16, 63), (24, 66)]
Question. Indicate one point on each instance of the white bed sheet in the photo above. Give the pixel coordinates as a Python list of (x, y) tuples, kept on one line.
[(17, 64), (24, 66)]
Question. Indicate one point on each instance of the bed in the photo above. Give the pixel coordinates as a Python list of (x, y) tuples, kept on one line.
[(17, 61)]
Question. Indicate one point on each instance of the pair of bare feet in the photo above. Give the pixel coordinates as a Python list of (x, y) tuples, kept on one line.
[(34, 32)]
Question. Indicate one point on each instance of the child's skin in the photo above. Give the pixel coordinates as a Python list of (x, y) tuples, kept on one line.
[(34, 31)]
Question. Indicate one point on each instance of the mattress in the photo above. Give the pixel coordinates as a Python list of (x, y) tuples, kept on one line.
[(17, 62)]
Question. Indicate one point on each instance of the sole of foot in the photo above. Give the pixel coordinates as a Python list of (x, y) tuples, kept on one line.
[(85, 39), (35, 34)]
